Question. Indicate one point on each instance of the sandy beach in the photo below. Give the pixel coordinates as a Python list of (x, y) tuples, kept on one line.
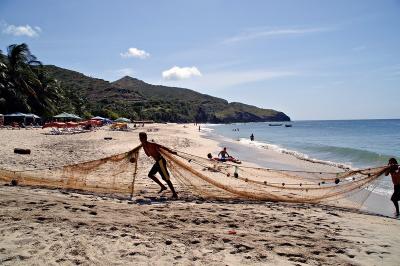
[(49, 226)]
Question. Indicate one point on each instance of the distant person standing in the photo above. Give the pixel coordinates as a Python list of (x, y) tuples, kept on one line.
[(394, 172), (199, 128), (252, 137)]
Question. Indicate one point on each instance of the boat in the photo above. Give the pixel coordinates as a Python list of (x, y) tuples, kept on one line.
[(287, 125), (275, 125)]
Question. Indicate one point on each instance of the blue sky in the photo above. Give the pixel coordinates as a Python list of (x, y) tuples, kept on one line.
[(310, 59)]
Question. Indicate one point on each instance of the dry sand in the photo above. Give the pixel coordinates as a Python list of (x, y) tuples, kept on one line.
[(41, 226)]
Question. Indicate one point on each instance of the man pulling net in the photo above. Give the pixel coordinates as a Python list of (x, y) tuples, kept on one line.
[(153, 150)]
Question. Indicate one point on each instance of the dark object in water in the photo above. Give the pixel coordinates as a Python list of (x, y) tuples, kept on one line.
[(22, 151), (14, 182), (287, 125), (108, 138), (275, 125)]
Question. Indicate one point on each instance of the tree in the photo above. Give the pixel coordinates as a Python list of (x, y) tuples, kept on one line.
[(24, 84)]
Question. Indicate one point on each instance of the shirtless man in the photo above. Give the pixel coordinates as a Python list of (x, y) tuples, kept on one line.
[(224, 154), (153, 150), (394, 171)]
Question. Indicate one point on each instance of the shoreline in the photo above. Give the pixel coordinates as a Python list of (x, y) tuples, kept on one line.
[(375, 204), (185, 136), (52, 226)]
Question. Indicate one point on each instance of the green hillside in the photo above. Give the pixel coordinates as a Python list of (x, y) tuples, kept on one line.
[(137, 99), (26, 85)]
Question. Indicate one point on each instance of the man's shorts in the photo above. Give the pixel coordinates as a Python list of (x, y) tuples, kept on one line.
[(160, 167), (396, 193)]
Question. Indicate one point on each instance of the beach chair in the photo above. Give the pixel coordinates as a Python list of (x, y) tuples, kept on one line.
[(55, 131)]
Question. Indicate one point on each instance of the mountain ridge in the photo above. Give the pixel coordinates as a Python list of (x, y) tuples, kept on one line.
[(136, 99)]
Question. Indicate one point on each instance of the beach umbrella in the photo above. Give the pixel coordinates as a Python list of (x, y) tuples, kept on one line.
[(107, 121), (123, 119), (64, 115), (16, 117), (18, 114), (32, 116), (77, 117), (98, 118), (67, 116)]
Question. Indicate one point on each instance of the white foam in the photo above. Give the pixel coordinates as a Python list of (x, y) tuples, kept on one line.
[(381, 191), (205, 129), (298, 155)]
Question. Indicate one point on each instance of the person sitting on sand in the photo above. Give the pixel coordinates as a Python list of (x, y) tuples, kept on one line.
[(224, 154), (394, 171), (160, 166)]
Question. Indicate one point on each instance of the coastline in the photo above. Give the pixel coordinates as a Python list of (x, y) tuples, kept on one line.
[(51, 226), (261, 156)]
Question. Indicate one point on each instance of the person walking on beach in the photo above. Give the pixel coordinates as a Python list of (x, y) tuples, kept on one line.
[(394, 171), (153, 150)]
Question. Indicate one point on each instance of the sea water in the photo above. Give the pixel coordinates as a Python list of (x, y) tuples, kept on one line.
[(344, 143)]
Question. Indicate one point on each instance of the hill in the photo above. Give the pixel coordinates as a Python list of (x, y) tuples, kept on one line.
[(136, 99)]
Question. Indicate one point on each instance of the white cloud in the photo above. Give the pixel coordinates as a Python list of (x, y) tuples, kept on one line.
[(22, 30), (134, 52), (226, 79), (178, 73), (264, 33)]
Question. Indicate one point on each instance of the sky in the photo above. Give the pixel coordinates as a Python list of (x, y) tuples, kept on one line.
[(313, 60)]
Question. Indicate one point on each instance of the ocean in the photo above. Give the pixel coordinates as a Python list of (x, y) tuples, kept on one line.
[(345, 143)]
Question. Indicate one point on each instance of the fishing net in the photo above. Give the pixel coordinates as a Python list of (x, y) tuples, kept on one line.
[(196, 177), (210, 178), (114, 174)]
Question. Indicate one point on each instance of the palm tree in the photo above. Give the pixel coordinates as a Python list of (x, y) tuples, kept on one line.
[(48, 92), (25, 85), (20, 75)]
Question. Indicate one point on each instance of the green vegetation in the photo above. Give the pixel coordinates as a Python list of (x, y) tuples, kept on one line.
[(29, 86), (25, 86)]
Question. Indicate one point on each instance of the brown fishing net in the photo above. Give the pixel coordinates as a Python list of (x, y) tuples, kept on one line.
[(114, 174), (209, 178), (196, 177)]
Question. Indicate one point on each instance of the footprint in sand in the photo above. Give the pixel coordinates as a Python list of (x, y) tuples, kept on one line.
[(286, 244), (240, 248)]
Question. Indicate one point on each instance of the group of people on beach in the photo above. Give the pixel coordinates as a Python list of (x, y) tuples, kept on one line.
[(160, 166)]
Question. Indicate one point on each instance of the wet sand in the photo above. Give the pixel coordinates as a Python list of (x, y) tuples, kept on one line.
[(375, 203)]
